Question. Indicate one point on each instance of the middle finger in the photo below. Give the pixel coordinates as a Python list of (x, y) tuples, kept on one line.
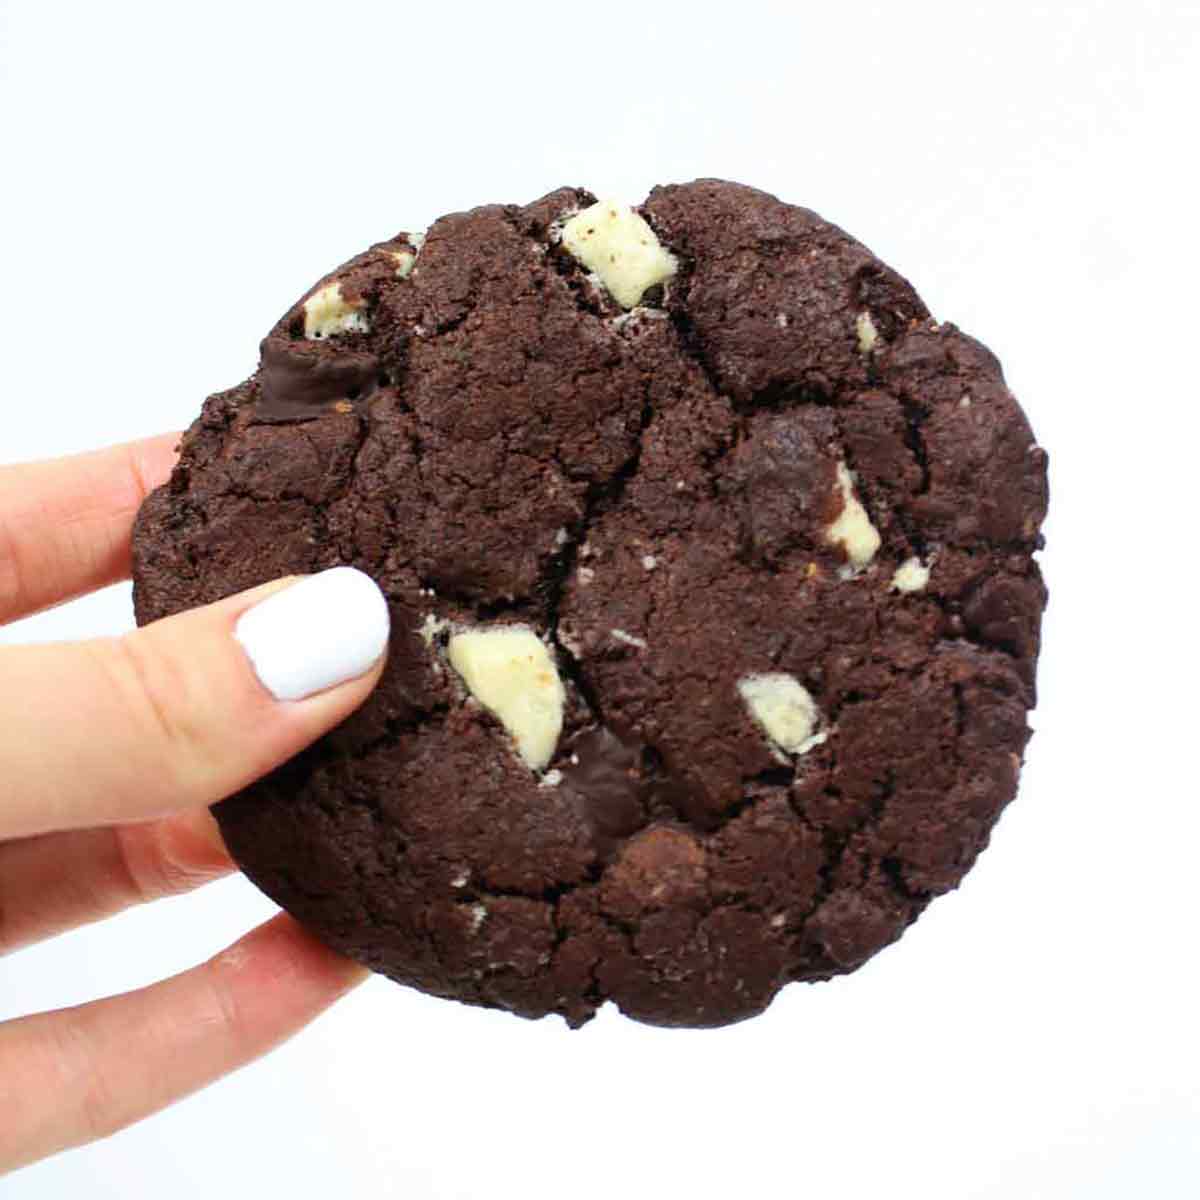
[(57, 881)]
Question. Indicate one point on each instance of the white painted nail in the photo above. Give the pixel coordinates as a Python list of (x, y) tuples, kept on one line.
[(320, 632)]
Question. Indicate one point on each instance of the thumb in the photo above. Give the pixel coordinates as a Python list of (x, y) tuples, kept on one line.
[(185, 711)]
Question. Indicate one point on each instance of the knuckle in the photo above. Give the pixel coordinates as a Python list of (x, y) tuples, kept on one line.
[(153, 690), (137, 877), (12, 582), (142, 877), (139, 485), (225, 1013), (100, 1115), (154, 864), (97, 1105)]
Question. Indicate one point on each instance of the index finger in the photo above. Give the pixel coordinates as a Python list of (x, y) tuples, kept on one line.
[(65, 523)]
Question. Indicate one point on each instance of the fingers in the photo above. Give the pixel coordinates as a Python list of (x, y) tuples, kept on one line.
[(187, 710), (65, 523), (57, 881), (79, 1074)]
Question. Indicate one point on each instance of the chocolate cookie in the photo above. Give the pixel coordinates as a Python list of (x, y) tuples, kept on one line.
[(715, 614)]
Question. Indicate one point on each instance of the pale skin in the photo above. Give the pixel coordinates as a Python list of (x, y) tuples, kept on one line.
[(111, 752)]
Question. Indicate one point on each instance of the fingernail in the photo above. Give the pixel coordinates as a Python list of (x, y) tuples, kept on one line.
[(322, 631)]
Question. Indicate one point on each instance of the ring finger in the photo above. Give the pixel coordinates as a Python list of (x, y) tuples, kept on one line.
[(57, 881)]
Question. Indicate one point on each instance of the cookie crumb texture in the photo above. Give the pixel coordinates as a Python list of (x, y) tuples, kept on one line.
[(491, 435)]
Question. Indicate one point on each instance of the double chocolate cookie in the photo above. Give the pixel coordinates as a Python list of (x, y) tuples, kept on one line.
[(714, 608)]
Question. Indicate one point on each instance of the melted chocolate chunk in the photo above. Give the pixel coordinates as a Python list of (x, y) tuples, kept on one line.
[(607, 784), (300, 382)]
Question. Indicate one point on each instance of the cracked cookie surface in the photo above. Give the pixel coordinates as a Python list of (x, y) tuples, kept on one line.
[(771, 527)]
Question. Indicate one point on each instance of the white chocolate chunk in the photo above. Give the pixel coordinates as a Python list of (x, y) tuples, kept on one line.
[(649, 562), (619, 635), (784, 710), (407, 259), (636, 315), (510, 672), (617, 245), (431, 627), (911, 576), (853, 530), (326, 312), (868, 335), (555, 228)]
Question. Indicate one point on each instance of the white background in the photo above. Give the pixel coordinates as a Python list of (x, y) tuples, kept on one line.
[(177, 174)]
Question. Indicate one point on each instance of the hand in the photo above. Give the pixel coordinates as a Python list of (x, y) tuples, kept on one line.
[(110, 753)]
